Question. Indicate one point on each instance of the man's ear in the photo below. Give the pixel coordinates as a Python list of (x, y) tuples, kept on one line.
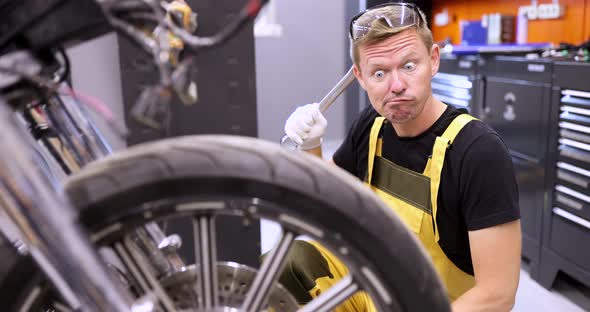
[(434, 59), (359, 76)]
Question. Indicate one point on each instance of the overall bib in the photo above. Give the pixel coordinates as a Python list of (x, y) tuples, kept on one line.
[(413, 196)]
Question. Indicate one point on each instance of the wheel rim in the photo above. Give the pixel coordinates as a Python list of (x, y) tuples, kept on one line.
[(203, 212)]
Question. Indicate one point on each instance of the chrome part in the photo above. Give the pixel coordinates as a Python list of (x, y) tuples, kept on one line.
[(168, 255), (333, 297), (30, 299), (377, 284), (331, 96), (170, 243), (46, 222), (21, 248), (138, 279), (200, 206), (149, 250), (145, 269), (106, 231), (206, 256), (234, 281), (146, 303), (268, 274), (302, 225), (327, 101)]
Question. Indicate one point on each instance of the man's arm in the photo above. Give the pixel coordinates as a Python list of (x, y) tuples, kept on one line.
[(315, 151), (495, 252)]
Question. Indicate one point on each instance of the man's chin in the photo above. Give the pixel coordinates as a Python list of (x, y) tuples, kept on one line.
[(399, 119)]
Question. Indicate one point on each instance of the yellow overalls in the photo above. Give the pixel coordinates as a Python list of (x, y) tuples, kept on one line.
[(413, 197)]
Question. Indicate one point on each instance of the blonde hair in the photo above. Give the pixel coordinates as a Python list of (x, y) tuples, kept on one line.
[(380, 31)]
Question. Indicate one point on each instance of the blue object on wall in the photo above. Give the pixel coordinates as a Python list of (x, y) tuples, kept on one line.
[(473, 33)]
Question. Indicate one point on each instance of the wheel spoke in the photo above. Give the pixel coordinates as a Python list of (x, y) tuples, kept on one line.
[(268, 274), (206, 256), (144, 268), (333, 297), (140, 281)]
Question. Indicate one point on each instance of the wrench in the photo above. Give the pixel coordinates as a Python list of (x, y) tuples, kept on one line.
[(325, 103)]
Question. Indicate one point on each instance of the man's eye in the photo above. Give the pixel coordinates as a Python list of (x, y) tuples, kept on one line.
[(410, 66), (379, 74)]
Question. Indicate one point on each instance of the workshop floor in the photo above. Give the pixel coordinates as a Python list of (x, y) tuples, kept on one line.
[(565, 295)]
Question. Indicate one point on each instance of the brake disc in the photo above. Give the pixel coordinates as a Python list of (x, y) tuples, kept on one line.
[(234, 281)]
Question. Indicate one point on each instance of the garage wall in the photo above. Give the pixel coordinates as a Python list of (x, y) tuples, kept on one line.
[(301, 65), (95, 72)]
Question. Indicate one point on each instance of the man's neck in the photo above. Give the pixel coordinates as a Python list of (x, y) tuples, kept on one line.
[(432, 111)]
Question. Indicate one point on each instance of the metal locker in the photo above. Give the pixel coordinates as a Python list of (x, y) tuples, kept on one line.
[(517, 105)]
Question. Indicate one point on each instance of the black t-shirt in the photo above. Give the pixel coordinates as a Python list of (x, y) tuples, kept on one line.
[(477, 189)]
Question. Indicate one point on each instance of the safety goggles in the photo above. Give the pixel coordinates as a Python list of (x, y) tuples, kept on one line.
[(400, 15)]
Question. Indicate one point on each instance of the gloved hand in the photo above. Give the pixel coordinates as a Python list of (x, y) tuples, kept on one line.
[(306, 126)]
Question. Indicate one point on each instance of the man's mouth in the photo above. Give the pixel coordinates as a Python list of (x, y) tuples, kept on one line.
[(396, 102)]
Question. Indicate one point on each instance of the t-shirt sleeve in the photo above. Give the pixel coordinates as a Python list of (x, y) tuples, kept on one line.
[(490, 192)]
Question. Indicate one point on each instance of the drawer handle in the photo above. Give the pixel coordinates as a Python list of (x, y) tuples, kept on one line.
[(576, 144), (576, 93), (568, 202), (523, 158), (572, 217), (574, 100), (573, 126), (567, 134), (575, 110), (572, 168), (572, 193), (574, 154), (568, 177), (451, 89), (455, 77), (451, 100)]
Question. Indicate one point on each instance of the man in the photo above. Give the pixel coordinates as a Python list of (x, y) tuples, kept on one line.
[(459, 194)]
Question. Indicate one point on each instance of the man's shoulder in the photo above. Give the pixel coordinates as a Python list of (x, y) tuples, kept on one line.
[(476, 130), (478, 139)]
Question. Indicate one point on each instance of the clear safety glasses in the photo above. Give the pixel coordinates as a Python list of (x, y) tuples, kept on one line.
[(393, 14)]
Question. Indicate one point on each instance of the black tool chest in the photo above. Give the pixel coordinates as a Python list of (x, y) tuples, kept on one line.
[(566, 217), (458, 83)]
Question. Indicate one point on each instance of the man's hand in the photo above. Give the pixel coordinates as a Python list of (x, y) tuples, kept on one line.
[(306, 126)]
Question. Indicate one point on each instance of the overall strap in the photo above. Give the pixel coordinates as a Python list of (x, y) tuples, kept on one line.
[(438, 158), (373, 138)]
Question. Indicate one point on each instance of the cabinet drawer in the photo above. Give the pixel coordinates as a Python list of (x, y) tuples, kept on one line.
[(573, 201), (570, 236)]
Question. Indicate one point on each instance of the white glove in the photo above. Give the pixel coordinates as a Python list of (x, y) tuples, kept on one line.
[(306, 126)]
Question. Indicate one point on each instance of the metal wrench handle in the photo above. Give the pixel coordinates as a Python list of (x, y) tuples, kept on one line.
[(325, 103)]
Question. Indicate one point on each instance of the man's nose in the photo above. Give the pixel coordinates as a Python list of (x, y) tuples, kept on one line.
[(396, 85)]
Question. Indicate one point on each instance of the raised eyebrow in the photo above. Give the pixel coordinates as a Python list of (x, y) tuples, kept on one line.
[(410, 56), (374, 66)]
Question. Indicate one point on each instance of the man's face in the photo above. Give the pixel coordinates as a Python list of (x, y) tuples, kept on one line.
[(396, 74)]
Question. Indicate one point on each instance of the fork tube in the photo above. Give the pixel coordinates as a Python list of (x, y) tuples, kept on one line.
[(46, 222)]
